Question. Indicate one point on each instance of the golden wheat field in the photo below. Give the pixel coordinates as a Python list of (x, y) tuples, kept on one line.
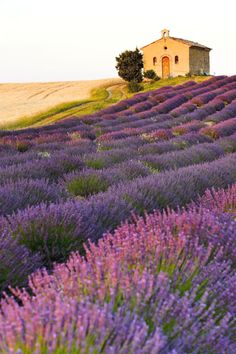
[(19, 100)]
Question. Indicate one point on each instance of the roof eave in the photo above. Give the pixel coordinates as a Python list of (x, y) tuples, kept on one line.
[(150, 43), (178, 40), (199, 47)]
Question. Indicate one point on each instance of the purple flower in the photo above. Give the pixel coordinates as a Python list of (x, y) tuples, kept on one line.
[(23, 193), (16, 262)]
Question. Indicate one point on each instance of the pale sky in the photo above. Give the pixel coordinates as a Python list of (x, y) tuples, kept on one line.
[(56, 40)]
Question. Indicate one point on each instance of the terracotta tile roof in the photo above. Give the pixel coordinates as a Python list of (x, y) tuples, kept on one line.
[(190, 43), (185, 41)]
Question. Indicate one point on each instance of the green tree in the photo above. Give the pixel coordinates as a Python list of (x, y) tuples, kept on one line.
[(150, 74), (130, 65)]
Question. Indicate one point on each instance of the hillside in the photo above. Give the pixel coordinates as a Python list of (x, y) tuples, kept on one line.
[(127, 220), (24, 105), (20, 100)]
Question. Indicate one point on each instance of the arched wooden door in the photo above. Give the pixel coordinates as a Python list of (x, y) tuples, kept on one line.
[(165, 67)]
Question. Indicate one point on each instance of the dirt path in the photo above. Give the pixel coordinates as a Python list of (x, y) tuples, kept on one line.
[(124, 95), (119, 88)]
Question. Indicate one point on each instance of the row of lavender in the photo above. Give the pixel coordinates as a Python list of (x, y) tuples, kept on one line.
[(163, 284)]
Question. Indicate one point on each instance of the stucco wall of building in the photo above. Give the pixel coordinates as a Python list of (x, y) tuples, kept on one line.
[(199, 61), (174, 48)]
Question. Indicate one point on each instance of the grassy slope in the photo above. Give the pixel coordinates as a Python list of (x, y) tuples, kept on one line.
[(100, 98)]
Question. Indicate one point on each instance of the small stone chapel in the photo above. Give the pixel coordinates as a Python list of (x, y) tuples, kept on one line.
[(171, 56)]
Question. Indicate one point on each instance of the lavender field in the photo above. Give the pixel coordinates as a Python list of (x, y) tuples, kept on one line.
[(118, 229)]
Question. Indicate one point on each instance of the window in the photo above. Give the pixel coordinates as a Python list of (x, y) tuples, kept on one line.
[(165, 48), (176, 59), (154, 60)]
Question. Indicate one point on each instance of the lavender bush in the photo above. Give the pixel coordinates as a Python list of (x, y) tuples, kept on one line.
[(174, 160), (16, 262), (24, 193), (224, 128), (47, 165), (52, 231), (89, 181)]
